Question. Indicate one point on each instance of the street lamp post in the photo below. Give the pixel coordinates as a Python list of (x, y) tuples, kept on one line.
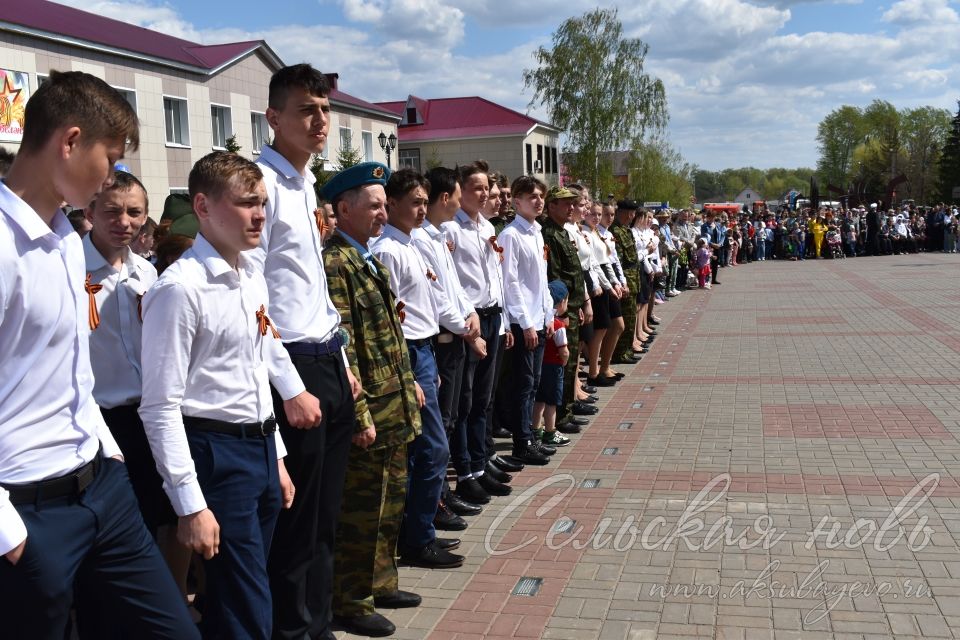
[(388, 144)]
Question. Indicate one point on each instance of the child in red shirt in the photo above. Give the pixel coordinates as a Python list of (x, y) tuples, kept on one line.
[(550, 391)]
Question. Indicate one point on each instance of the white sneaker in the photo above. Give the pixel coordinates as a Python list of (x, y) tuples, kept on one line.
[(671, 294), (676, 292)]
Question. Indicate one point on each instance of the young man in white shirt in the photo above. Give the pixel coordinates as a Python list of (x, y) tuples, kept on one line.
[(68, 517), (290, 256), (529, 311), (411, 281), (213, 352)]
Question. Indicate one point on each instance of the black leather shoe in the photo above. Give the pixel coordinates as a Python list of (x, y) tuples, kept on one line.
[(600, 381), (492, 487), (626, 360), (579, 420), (495, 473), (461, 507), (432, 557), (530, 454), (590, 400), (569, 428), (447, 520), (588, 388), (471, 491), (654, 322), (397, 600), (447, 544), (505, 465), (580, 409), (593, 398), (373, 625), (500, 432), (545, 449)]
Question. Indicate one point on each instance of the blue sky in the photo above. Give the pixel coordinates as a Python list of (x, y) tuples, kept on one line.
[(747, 81)]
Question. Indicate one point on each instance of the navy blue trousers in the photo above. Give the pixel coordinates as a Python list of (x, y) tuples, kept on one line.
[(427, 455), (99, 541), (525, 365), (476, 392), (241, 485)]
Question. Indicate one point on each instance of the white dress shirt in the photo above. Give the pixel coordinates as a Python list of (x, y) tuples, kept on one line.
[(615, 264), (453, 304), (115, 343), (528, 301), (289, 254), (599, 256), (478, 264), (207, 359), (410, 281), (49, 422)]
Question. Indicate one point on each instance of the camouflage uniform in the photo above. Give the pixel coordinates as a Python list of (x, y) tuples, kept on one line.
[(629, 262), (564, 264), (369, 526)]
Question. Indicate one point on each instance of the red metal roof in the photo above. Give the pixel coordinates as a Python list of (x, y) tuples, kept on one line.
[(53, 18), (345, 98), (468, 117)]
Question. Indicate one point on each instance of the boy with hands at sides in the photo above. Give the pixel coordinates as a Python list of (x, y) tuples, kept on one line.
[(207, 406)]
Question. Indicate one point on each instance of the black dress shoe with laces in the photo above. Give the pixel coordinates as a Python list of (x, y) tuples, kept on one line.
[(569, 428), (500, 432), (579, 420), (446, 520), (461, 507), (530, 454), (471, 491), (447, 544), (431, 557), (372, 626), (495, 473), (506, 465), (581, 409), (397, 600), (545, 449), (492, 486)]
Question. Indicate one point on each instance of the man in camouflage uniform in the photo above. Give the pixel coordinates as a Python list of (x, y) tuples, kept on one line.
[(564, 264), (365, 573), (629, 262)]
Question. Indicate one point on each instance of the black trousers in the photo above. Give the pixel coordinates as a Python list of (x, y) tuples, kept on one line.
[(301, 558), (98, 540), (479, 381)]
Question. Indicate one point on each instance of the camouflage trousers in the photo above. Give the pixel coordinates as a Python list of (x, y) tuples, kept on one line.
[(573, 364), (628, 306), (365, 562)]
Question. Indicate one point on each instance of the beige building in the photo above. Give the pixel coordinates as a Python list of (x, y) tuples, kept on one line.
[(453, 131), (190, 98)]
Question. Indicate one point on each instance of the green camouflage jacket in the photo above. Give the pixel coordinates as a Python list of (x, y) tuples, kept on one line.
[(377, 351), (563, 262), (626, 247)]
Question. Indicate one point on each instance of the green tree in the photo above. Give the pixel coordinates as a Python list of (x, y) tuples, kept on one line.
[(838, 134), (885, 127), (348, 157), (593, 84), (949, 164), (657, 172), (924, 134), (232, 145)]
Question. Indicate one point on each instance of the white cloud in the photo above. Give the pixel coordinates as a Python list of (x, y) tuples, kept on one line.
[(920, 12)]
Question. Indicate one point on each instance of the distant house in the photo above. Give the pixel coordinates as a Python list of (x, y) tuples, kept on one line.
[(453, 131), (748, 196), (190, 98)]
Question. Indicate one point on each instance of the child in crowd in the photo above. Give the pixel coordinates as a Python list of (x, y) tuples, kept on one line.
[(703, 263), (550, 390)]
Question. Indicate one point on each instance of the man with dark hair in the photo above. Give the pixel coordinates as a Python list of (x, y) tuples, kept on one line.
[(388, 416), (411, 281), (301, 562), (6, 160), (63, 486)]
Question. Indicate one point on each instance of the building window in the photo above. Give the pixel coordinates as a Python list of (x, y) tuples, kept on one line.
[(222, 125), (42, 79), (553, 158), (129, 95), (538, 165), (529, 159), (346, 139), (409, 158), (411, 115), (176, 122), (179, 190), (367, 137), (260, 130), (547, 168)]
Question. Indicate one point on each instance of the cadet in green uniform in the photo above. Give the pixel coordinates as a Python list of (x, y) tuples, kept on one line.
[(629, 262), (365, 569), (564, 264)]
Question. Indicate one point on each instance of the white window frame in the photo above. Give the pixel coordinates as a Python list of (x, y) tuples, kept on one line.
[(185, 120), (264, 133), (366, 136), (406, 157), (180, 190), (228, 124), (349, 141), (126, 90)]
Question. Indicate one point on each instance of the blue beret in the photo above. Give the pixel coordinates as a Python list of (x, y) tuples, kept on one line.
[(558, 291), (355, 176)]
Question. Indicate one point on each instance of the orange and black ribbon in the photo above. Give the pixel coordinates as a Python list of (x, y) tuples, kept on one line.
[(546, 253), (431, 275), (400, 312), (493, 243), (263, 321), (321, 222), (93, 317), (140, 307)]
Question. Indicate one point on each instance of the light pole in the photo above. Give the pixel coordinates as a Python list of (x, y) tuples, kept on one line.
[(388, 144)]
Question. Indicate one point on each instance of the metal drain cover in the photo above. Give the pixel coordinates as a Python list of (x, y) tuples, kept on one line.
[(590, 483), (527, 586), (625, 426), (563, 525), (610, 451)]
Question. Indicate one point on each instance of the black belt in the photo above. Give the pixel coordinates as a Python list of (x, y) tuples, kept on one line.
[(331, 346), (71, 485), (486, 312), (241, 429), (423, 342)]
